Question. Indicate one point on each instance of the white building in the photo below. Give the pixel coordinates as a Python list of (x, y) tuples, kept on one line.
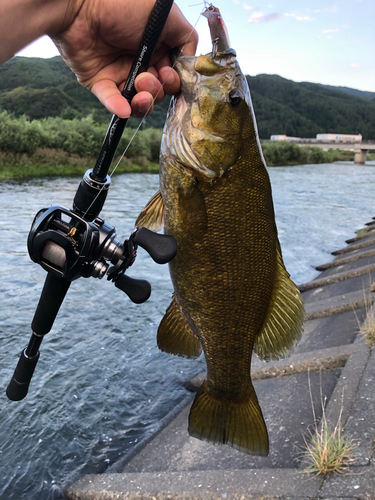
[(284, 138), (339, 137)]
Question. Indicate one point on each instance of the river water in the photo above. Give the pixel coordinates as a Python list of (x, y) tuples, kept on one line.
[(101, 384)]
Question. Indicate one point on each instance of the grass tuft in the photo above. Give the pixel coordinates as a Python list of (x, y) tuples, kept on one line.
[(367, 329), (327, 450)]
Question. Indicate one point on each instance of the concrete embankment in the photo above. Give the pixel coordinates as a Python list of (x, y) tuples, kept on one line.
[(332, 365)]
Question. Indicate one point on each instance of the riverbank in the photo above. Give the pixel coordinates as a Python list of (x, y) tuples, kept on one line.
[(51, 162), (57, 163)]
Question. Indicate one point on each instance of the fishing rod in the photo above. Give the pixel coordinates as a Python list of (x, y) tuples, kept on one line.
[(74, 243)]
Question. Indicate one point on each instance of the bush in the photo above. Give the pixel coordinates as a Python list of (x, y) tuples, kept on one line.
[(278, 153), (77, 136)]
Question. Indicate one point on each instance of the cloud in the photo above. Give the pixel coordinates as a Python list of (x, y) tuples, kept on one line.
[(297, 17), (247, 7), (354, 65), (259, 17)]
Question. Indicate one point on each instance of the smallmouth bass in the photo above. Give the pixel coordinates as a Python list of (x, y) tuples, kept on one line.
[(232, 293)]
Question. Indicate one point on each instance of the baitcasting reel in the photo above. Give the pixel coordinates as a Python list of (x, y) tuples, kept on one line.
[(69, 246)]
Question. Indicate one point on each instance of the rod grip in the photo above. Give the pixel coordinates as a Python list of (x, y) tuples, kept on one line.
[(19, 385), (52, 297)]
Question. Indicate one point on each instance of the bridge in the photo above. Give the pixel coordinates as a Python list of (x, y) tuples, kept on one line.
[(360, 148)]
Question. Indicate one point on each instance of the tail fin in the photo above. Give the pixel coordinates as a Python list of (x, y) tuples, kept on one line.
[(240, 425)]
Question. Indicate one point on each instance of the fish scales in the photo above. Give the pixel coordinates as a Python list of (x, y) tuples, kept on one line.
[(232, 294)]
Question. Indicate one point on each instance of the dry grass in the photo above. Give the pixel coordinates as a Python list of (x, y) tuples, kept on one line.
[(327, 450), (367, 328)]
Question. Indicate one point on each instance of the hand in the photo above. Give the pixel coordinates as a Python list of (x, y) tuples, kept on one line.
[(101, 40)]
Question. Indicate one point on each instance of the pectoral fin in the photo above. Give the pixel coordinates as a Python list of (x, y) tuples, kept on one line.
[(152, 216), (192, 210), (283, 326), (175, 335)]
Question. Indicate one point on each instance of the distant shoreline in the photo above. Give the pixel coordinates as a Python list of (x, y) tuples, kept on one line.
[(57, 163)]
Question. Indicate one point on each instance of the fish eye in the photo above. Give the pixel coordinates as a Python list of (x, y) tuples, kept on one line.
[(235, 97)]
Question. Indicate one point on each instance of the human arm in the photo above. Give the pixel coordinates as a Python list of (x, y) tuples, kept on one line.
[(98, 40)]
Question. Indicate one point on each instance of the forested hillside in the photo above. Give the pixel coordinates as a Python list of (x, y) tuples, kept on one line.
[(306, 109), (40, 88)]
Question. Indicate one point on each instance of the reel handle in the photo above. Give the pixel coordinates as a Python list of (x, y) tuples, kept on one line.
[(52, 297)]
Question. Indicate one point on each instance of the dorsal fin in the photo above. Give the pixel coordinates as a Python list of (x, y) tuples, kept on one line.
[(283, 326), (175, 335), (152, 216)]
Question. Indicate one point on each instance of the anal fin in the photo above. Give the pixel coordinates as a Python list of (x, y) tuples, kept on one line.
[(175, 335)]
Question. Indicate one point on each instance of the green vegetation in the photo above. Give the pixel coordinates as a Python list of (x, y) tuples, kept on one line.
[(54, 146), (41, 88), (306, 109), (327, 449), (51, 125), (367, 328), (279, 153)]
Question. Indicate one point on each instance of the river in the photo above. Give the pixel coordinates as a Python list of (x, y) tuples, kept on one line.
[(101, 384)]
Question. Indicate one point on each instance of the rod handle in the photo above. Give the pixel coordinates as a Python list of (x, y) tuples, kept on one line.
[(150, 38), (52, 297), (19, 385)]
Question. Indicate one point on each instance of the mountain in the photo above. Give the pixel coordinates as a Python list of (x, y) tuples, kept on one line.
[(306, 109), (359, 93), (39, 88)]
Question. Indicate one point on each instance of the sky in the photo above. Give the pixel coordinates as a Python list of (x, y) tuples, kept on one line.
[(319, 41)]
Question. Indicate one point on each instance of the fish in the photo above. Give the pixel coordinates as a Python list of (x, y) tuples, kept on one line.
[(232, 293)]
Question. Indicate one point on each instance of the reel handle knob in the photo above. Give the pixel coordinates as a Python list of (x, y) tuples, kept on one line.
[(161, 247), (138, 291)]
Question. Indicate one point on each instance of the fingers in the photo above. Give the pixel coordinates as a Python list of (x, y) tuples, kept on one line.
[(109, 95), (152, 90), (149, 89)]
